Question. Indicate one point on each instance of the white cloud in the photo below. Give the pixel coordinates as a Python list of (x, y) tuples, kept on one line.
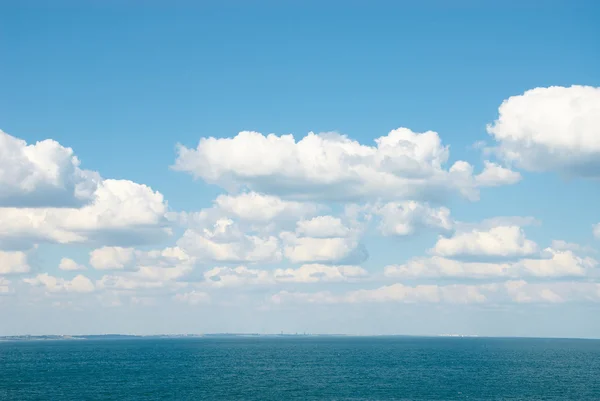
[(405, 218), (557, 292), (456, 293), (13, 263), (309, 273), (262, 208), (112, 258), (79, 284), (501, 241), (554, 263), (193, 297), (312, 273), (4, 286), (309, 249), (225, 242), (402, 165), (596, 230), (121, 212), (42, 175), (70, 265), (237, 276), (511, 291), (322, 227), (494, 175), (551, 129)]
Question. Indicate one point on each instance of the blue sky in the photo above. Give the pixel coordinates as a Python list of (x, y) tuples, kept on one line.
[(123, 84)]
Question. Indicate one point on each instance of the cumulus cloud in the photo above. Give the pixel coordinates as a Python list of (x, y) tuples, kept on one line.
[(309, 273), (225, 242), (70, 265), (554, 263), (117, 258), (551, 129), (309, 249), (44, 174), (501, 241), (155, 271), (596, 230), (494, 175), (252, 206), (13, 263), (330, 166), (79, 284), (322, 227), (193, 297), (405, 218), (121, 212)]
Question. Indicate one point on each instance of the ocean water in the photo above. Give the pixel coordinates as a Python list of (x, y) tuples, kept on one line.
[(392, 368)]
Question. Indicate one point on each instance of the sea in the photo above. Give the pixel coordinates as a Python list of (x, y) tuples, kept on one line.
[(301, 368)]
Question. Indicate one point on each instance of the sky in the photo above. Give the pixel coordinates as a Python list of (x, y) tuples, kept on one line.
[(321, 167)]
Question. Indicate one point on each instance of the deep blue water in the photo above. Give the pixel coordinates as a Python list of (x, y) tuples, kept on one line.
[(301, 368)]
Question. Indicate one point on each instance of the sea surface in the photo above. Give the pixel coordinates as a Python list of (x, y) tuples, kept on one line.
[(359, 368)]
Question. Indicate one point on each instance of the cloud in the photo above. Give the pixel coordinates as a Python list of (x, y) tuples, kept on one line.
[(4, 286), (44, 174), (121, 212), (113, 258), (255, 207), (509, 292), (225, 242), (13, 263), (309, 249), (322, 227), (522, 292), (501, 241), (596, 230), (70, 265), (79, 284), (494, 175), (456, 293), (117, 258), (330, 166), (554, 263), (405, 218), (193, 298), (309, 273), (551, 129)]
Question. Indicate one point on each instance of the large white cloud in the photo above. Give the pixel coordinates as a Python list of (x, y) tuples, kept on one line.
[(403, 164), (551, 129), (121, 212), (43, 174), (79, 284), (552, 263), (225, 242), (501, 241), (13, 263), (255, 207), (405, 218)]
